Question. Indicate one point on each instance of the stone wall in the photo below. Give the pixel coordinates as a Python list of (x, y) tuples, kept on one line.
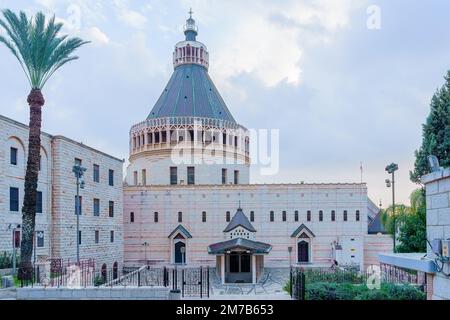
[(375, 245), (58, 187), (216, 200), (15, 135), (438, 223)]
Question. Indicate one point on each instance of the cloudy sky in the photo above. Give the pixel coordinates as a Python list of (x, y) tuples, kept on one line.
[(344, 81)]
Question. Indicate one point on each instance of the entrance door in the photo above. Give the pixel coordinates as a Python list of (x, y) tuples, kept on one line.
[(303, 252), (239, 268), (180, 252)]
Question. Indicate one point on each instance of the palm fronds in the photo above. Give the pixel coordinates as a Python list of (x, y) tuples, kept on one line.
[(37, 45)]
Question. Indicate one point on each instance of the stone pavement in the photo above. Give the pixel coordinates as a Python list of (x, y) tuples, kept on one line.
[(269, 287)]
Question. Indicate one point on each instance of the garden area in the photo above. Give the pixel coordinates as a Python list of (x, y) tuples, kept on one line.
[(350, 285)]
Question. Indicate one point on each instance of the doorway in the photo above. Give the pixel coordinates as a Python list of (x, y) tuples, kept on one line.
[(303, 252)]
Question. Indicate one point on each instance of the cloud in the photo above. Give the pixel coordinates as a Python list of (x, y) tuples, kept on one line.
[(132, 18), (267, 39), (95, 35)]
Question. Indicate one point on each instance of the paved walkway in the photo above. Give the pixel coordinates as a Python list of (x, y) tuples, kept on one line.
[(269, 287)]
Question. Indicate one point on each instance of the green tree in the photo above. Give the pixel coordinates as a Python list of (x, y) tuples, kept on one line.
[(436, 133), (41, 51), (410, 222)]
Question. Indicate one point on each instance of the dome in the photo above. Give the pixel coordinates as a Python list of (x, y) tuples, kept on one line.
[(191, 93)]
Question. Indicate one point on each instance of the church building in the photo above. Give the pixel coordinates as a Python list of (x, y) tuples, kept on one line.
[(188, 200)]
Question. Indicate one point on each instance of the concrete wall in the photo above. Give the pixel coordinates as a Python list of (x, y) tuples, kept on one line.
[(217, 200), (116, 293), (438, 223)]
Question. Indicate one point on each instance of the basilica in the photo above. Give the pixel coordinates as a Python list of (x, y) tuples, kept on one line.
[(187, 197)]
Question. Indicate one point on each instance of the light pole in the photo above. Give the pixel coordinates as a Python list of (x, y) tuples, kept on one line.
[(16, 227), (183, 254), (391, 183), (145, 244), (78, 170), (37, 235)]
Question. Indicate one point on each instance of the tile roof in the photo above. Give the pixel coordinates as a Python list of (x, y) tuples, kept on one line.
[(239, 219), (191, 93), (250, 245)]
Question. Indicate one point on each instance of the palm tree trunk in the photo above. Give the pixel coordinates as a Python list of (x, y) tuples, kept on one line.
[(35, 101)]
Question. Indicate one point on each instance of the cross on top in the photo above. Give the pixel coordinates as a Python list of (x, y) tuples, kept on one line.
[(190, 13)]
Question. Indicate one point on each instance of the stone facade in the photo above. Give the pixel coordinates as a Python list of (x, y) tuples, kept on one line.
[(142, 203), (438, 226), (58, 186)]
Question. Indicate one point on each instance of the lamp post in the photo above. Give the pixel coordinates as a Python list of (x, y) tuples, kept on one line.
[(183, 255), (290, 253), (391, 183), (79, 171), (14, 229), (145, 244), (37, 235)]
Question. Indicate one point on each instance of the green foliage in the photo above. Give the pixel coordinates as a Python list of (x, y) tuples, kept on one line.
[(37, 46), (436, 133), (410, 223), (98, 281), (6, 260)]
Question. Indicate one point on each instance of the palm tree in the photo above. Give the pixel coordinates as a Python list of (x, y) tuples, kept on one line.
[(41, 51)]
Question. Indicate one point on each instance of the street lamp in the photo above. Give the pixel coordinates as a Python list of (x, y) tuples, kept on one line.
[(145, 244), (37, 235), (14, 229), (391, 183), (79, 171), (183, 254)]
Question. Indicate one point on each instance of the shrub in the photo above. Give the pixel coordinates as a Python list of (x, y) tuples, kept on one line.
[(6, 260)]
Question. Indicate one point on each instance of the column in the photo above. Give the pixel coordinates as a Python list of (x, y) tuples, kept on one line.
[(254, 269), (222, 268)]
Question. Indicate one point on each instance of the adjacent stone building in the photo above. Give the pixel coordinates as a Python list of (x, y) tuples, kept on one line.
[(101, 199)]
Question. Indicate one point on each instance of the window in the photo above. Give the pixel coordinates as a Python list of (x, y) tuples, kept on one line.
[(13, 156), (131, 217), (155, 217), (284, 216), (203, 216), (97, 236), (111, 236), (358, 216), (96, 169), (16, 238), (111, 209), (320, 215), (173, 175), (345, 215), (272, 216), (111, 177), (333, 215), (96, 207), (135, 178), (14, 199), (236, 176), (78, 205), (224, 176), (252, 216), (40, 239), (228, 216), (308, 215), (39, 202), (79, 237), (78, 162), (144, 177), (180, 217), (296, 216), (191, 175)]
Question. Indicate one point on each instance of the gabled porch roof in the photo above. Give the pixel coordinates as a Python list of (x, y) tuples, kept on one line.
[(254, 247)]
